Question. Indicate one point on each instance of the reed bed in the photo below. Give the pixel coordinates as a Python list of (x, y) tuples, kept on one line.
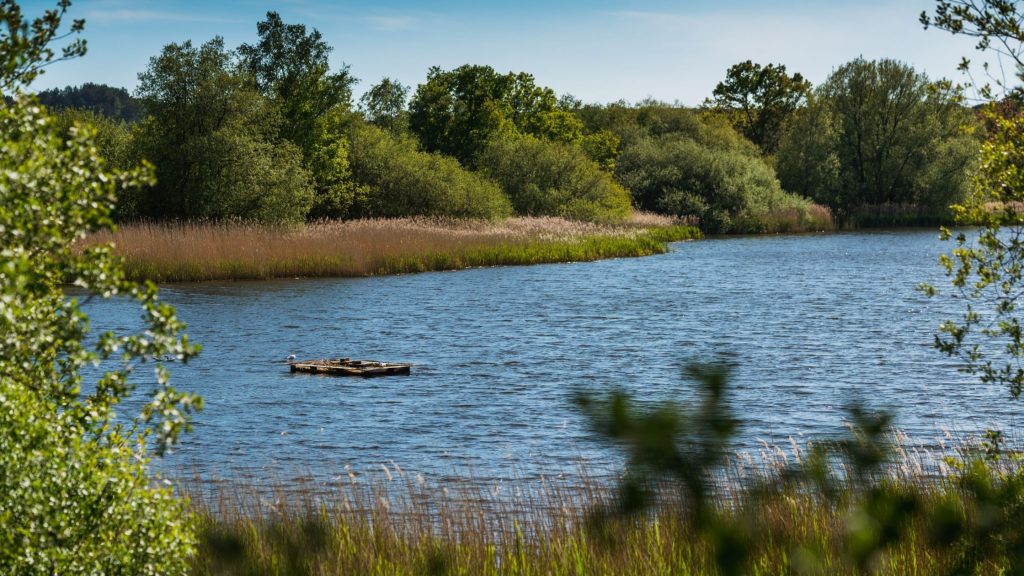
[(894, 215), (812, 218), (183, 252), (398, 524)]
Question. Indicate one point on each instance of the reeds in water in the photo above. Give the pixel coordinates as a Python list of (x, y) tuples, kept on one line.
[(181, 252), (397, 524), (895, 215)]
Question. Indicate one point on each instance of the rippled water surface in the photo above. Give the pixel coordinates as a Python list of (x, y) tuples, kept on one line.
[(811, 322)]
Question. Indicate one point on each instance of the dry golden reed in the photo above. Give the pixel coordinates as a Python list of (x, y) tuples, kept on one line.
[(176, 252)]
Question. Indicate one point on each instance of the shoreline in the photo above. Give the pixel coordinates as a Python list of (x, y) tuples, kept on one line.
[(197, 252)]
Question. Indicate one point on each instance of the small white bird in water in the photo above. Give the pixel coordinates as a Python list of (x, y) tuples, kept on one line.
[(291, 357)]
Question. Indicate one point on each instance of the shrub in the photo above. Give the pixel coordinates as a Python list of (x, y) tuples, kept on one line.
[(398, 180), (75, 496), (545, 178), (727, 189)]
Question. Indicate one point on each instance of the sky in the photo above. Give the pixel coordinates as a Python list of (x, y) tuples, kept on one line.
[(597, 50)]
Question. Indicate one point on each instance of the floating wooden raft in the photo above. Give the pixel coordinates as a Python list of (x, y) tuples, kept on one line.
[(347, 367)]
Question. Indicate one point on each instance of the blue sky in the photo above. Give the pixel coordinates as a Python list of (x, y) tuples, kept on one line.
[(597, 50)]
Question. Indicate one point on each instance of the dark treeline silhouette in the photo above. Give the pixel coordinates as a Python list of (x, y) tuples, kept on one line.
[(111, 102)]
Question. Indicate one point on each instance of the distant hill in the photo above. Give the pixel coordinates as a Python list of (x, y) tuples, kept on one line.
[(106, 100)]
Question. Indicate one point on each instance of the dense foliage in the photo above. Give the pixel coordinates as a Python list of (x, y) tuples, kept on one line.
[(759, 99), (76, 496), (214, 140), (398, 179), (678, 161), (877, 133), (545, 178)]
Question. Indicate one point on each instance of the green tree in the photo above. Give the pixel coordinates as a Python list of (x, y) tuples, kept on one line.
[(384, 104), (26, 47), (75, 492), (759, 99), (997, 24), (290, 66), (397, 179), (215, 143), (808, 161), (457, 112), (545, 178), (886, 130)]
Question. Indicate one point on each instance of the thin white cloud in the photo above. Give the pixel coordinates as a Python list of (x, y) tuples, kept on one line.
[(135, 16), (391, 23)]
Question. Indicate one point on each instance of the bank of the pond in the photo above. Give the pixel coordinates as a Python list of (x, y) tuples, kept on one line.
[(187, 252), (785, 519)]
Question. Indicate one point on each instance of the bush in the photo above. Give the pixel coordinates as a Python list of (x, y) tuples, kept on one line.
[(75, 495), (398, 180), (545, 178), (727, 189)]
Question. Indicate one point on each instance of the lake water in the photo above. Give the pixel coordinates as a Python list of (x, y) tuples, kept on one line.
[(810, 322)]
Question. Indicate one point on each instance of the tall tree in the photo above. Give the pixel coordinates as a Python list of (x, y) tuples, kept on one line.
[(890, 134), (456, 112), (759, 99), (290, 65), (215, 142), (384, 104)]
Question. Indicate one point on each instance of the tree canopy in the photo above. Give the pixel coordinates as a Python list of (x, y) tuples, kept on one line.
[(758, 100), (456, 112), (215, 142), (384, 104), (878, 132)]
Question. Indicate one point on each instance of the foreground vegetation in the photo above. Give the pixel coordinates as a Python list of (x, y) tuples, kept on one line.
[(76, 493), (860, 504), (190, 252), (400, 528)]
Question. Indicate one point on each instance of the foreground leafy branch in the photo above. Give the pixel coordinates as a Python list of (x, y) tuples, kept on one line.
[(678, 468), (75, 493)]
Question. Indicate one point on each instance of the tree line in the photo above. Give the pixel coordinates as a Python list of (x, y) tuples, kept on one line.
[(269, 132)]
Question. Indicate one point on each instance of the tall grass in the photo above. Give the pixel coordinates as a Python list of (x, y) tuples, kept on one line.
[(803, 216), (181, 252), (404, 525), (894, 215)]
